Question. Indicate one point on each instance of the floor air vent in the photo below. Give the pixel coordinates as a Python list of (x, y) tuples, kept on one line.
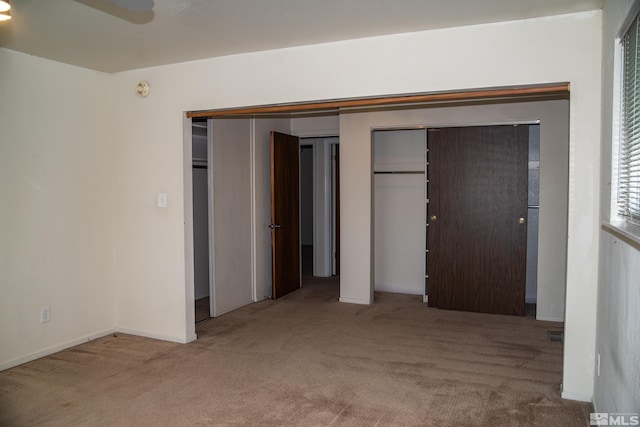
[(556, 336)]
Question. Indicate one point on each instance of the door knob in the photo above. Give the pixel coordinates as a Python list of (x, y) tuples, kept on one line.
[(274, 226), (521, 221), (433, 218)]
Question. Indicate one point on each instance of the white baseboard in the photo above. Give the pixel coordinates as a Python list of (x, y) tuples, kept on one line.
[(355, 300), (548, 318), (54, 349), (580, 397), (156, 336), (400, 289), (425, 298)]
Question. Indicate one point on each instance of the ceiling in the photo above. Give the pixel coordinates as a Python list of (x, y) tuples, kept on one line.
[(98, 35)]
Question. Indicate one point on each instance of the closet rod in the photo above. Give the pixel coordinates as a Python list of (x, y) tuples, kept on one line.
[(398, 172)]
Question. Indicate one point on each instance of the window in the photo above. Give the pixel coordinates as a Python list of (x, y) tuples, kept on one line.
[(629, 156)]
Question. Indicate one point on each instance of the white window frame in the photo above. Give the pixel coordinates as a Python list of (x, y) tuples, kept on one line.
[(629, 227), (628, 181)]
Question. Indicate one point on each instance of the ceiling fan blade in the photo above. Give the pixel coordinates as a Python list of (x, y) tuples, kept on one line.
[(134, 5)]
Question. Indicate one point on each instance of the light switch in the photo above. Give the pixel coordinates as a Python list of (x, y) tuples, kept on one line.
[(162, 200)]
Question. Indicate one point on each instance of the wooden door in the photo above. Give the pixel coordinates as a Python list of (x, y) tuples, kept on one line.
[(285, 214), (477, 218)]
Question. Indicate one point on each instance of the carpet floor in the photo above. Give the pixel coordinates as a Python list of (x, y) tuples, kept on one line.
[(307, 360)]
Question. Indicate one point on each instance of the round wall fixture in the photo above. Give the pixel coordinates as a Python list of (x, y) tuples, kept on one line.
[(142, 89)]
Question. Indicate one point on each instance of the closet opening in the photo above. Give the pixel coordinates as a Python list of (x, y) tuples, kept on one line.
[(319, 207), (399, 190), (306, 208), (533, 210), (201, 229), (456, 215)]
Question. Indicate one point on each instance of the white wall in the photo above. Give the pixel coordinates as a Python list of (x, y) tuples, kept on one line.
[(316, 125), (56, 208), (618, 328), (617, 388), (150, 267)]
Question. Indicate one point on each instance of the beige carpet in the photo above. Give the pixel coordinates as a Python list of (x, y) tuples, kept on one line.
[(307, 360)]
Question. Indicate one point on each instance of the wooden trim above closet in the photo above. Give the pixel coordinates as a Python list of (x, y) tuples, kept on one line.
[(555, 89)]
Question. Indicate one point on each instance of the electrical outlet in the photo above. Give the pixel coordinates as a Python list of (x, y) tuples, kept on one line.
[(45, 314)]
